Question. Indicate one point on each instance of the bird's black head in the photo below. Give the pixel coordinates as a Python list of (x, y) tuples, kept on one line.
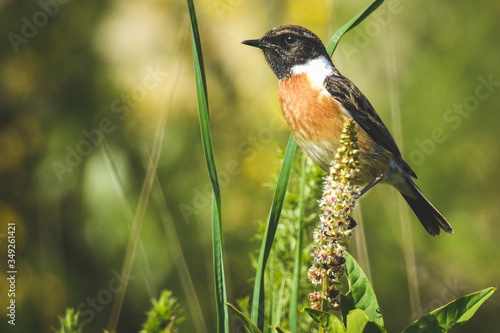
[(288, 45)]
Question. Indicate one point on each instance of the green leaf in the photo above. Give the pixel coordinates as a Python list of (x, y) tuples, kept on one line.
[(270, 232), (294, 301), (217, 250), (357, 321), (201, 91), (373, 327), (249, 325), (361, 294), (327, 320), (332, 45), (451, 315)]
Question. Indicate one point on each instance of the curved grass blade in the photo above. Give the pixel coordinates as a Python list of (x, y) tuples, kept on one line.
[(138, 220), (196, 314), (249, 325), (271, 226), (294, 302), (452, 315), (332, 44), (361, 294), (201, 91)]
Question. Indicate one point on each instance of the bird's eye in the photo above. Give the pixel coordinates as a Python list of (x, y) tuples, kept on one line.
[(290, 39)]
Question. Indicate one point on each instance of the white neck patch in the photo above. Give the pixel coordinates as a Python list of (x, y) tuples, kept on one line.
[(317, 69)]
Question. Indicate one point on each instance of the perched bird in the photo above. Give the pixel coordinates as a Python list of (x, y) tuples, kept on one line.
[(316, 100)]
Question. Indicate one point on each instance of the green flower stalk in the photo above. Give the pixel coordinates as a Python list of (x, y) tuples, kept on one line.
[(337, 203)]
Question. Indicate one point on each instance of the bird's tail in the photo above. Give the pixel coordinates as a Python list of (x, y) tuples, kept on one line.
[(429, 216)]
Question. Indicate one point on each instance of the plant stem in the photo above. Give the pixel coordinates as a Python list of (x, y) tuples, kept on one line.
[(324, 302)]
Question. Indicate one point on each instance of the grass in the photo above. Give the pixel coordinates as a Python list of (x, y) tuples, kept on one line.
[(360, 308)]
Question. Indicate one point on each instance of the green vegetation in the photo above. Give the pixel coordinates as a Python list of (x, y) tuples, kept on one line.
[(114, 198)]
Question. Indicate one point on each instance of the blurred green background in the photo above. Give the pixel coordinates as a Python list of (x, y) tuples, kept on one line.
[(78, 75)]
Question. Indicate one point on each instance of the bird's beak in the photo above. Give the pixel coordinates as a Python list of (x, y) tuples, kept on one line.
[(257, 43)]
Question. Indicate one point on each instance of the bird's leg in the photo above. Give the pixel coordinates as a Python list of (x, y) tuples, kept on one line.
[(371, 184), (352, 222)]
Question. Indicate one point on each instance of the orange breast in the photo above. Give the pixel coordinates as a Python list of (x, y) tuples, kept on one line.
[(311, 113), (316, 121)]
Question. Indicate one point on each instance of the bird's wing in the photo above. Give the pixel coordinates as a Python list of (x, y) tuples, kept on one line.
[(363, 113)]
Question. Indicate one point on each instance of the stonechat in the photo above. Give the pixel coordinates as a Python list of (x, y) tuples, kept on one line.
[(316, 100)]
